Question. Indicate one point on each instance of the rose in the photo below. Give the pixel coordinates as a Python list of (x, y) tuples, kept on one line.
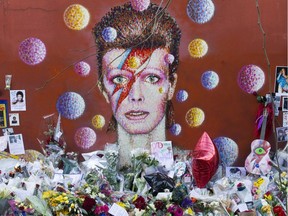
[(159, 205), (140, 203), (88, 203), (278, 211)]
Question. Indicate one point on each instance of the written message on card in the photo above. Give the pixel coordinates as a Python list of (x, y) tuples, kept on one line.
[(162, 151)]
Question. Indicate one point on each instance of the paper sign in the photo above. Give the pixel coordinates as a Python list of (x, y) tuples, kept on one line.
[(3, 143), (285, 119), (242, 207), (16, 145), (117, 210), (162, 151)]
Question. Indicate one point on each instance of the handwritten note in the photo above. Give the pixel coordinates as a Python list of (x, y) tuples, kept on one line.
[(162, 151)]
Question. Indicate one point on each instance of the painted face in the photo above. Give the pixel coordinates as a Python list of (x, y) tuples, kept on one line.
[(137, 86)]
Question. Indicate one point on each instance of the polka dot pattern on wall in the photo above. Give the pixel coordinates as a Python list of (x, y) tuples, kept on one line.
[(70, 105), (85, 137), (32, 51), (76, 17)]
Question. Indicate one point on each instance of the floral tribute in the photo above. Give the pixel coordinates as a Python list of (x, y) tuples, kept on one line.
[(58, 184)]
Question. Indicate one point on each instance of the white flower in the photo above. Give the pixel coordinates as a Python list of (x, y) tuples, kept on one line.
[(138, 212), (139, 151), (101, 195)]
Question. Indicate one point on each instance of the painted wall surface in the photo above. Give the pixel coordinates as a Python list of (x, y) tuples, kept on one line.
[(233, 36)]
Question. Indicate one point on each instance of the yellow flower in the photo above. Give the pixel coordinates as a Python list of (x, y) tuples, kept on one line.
[(268, 197), (47, 194), (189, 211), (135, 197), (122, 204), (62, 212), (72, 206), (266, 208)]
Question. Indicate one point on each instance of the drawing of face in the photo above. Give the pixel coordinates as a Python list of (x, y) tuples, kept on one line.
[(136, 85)]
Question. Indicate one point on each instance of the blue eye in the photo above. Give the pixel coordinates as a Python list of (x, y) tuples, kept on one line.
[(120, 80), (152, 79)]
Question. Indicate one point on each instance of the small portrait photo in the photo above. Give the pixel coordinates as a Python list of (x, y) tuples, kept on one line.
[(17, 100), (7, 131), (14, 119), (281, 80), (282, 134), (285, 103)]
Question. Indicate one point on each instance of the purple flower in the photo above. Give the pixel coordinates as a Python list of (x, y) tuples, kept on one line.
[(186, 203)]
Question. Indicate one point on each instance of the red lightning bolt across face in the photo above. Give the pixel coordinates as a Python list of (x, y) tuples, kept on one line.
[(143, 54), (125, 90)]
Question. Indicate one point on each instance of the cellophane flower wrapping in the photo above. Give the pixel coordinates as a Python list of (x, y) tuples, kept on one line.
[(51, 138)]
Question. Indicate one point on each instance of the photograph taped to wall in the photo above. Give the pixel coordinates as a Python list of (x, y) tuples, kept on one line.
[(7, 131), (3, 113), (282, 134), (14, 119), (17, 100), (285, 119), (285, 103), (16, 144), (281, 80), (276, 100)]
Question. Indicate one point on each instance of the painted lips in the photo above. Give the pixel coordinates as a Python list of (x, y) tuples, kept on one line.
[(136, 115)]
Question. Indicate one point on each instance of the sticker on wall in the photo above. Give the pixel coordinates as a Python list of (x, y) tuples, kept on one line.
[(17, 100), (251, 78), (209, 80), (200, 11), (85, 137), (195, 117), (82, 68), (228, 150), (32, 51), (98, 121), (70, 105), (176, 129), (198, 48), (76, 17), (140, 5), (182, 95)]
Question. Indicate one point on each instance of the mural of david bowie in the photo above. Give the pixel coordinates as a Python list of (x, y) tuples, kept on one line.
[(137, 57)]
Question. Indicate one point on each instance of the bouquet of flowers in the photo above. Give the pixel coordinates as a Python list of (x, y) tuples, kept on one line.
[(64, 202), (141, 162), (51, 140)]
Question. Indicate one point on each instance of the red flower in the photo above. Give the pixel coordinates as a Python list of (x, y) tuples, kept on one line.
[(278, 211), (101, 210), (88, 203), (140, 203), (159, 205)]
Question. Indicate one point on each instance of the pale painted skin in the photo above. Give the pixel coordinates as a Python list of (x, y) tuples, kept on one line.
[(144, 107), (141, 115)]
